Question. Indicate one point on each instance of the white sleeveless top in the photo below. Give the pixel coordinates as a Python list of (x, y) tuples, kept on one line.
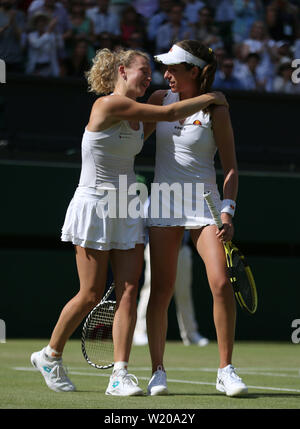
[(110, 153), (185, 155), (105, 156)]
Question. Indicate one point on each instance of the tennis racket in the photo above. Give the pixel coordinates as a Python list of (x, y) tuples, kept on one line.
[(239, 272), (96, 339)]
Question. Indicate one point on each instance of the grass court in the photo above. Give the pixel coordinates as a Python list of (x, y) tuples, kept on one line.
[(271, 371)]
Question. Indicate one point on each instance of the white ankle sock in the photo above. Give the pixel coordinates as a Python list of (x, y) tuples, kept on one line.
[(120, 365), (52, 354)]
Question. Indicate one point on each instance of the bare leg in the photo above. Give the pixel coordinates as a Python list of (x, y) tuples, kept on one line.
[(212, 252), (127, 267), (164, 248), (141, 326), (92, 271)]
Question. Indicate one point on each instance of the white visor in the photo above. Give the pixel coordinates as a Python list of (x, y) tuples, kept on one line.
[(177, 55)]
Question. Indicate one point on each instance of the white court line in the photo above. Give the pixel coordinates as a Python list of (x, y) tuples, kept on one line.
[(170, 380), (247, 371)]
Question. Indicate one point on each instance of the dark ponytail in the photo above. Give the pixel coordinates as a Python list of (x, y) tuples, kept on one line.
[(207, 73)]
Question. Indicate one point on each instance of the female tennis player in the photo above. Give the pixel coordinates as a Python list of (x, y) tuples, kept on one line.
[(112, 138), (185, 153)]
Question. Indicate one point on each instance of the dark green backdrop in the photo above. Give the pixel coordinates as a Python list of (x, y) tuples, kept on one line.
[(38, 273)]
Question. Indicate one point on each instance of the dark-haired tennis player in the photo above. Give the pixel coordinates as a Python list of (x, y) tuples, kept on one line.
[(110, 142), (185, 153)]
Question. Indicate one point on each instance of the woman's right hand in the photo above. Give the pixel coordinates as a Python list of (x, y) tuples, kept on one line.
[(219, 99)]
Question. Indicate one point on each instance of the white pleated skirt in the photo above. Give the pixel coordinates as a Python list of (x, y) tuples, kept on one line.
[(87, 224)]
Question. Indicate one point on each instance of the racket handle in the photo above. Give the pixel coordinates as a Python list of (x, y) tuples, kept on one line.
[(213, 210)]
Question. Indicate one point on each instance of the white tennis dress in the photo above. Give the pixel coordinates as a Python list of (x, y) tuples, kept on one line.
[(106, 156), (184, 157)]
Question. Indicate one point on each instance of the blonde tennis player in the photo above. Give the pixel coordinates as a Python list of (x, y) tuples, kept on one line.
[(185, 151), (112, 138)]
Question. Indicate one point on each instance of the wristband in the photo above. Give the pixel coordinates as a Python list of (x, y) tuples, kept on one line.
[(228, 206)]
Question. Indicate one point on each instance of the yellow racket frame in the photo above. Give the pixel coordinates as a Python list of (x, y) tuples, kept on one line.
[(231, 248)]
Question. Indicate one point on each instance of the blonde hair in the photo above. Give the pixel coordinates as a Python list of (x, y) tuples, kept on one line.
[(103, 74)]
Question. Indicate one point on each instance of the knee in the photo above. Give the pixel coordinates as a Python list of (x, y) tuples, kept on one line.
[(89, 300), (129, 294), (221, 289), (162, 292)]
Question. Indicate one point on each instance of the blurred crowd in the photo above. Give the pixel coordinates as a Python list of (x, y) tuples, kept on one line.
[(255, 41)]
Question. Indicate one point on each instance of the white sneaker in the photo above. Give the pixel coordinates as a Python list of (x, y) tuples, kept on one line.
[(158, 383), (123, 384), (140, 339), (229, 382), (53, 372), (197, 339)]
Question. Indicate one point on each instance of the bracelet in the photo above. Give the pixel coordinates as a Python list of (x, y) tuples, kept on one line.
[(228, 206)]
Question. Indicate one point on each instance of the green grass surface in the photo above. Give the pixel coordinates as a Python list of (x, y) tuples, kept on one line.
[(271, 371)]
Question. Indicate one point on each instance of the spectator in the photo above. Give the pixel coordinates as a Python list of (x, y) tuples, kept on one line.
[(224, 18), (282, 20), (226, 80), (205, 29), (174, 30), (220, 54), (104, 40), (82, 29), (56, 10), (296, 45), (12, 25), (79, 62), (239, 60), (137, 42), (251, 76), (270, 18), (260, 43), (159, 18), (103, 19), (23, 5), (283, 81), (130, 22), (146, 8), (43, 46), (192, 10), (284, 50), (117, 6), (246, 12)]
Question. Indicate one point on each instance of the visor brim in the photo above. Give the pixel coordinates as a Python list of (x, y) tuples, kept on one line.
[(166, 59)]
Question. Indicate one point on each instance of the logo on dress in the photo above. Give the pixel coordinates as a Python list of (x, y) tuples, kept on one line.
[(197, 122)]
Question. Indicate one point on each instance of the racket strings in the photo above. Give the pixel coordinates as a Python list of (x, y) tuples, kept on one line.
[(243, 282), (99, 336)]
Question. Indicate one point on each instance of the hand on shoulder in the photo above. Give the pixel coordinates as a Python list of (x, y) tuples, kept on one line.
[(157, 97)]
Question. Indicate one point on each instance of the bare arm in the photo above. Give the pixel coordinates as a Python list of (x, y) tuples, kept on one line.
[(157, 99), (112, 109), (224, 138)]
